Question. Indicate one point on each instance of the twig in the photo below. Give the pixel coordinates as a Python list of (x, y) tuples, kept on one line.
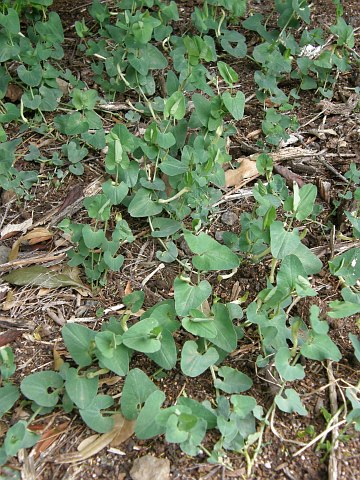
[(34, 260), (318, 437), (148, 277), (333, 467), (331, 168)]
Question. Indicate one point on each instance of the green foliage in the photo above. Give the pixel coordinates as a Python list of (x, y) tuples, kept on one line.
[(169, 175)]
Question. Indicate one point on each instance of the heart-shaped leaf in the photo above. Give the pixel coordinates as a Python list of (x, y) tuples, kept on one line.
[(78, 340), (287, 371), (142, 336), (290, 402), (234, 105), (146, 424), (92, 238), (188, 297), (93, 417), (234, 381), (142, 204), (38, 387), (137, 388), (194, 363), (81, 390), (211, 255), (114, 263)]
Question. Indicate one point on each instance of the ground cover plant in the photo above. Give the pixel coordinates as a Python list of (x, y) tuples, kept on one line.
[(145, 142)]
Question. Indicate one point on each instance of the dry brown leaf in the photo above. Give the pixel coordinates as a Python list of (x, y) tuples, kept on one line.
[(246, 171), (37, 235), (125, 432), (289, 176), (14, 228), (9, 336), (109, 381), (13, 92), (128, 288), (48, 438), (58, 361), (87, 441), (95, 443), (10, 301), (14, 252)]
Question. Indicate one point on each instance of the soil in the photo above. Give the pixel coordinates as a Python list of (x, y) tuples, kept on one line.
[(40, 334)]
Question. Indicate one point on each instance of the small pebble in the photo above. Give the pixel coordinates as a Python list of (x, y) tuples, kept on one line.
[(4, 254), (219, 235), (229, 218)]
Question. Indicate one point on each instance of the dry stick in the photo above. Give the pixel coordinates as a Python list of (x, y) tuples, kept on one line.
[(333, 467), (27, 261), (331, 168), (318, 437)]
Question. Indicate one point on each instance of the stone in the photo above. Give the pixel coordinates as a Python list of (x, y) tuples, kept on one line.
[(150, 468), (229, 218), (219, 235), (4, 254)]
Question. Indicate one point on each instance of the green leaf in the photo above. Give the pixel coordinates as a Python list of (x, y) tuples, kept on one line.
[(92, 238), (79, 342), (36, 387), (141, 336), (137, 388), (188, 297), (175, 106), (98, 206), (142, 205), (347, 266), (171, 167), (202, 108), (341, 309), (311, 263), (290, 402), (226, 337), (10, 20), (166, 357), (201, 410), (106, 343), (165, 140), (227, 73), (118, 362), (282, 243), (243, 404), (9, 394), (134, 300), (234, 105), (81, 390), (287, 371), (234, 43), (17, 437), (211, 255), (114, 263), (305, 205), (52, 30), (146, 424), (164, 227), (31, 77), (199, 324), (234, 381), (93, 417), (71, 124), (115, 192), (194, 363), (355, 343), (320, 347), (84, 99)]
